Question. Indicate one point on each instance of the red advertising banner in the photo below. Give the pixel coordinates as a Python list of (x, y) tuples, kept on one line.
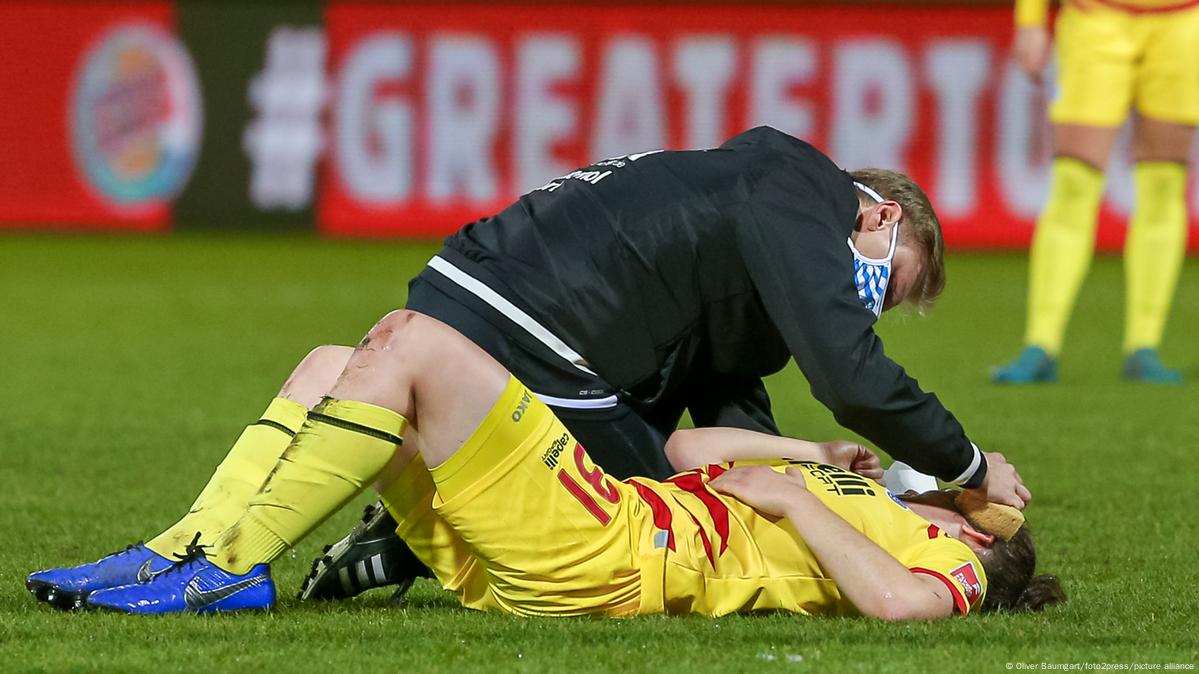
[(100, 122), (444, 113)]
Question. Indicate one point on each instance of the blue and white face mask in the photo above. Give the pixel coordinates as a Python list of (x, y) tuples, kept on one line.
[(871, 275)]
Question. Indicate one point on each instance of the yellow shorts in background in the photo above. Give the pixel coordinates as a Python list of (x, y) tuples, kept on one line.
[(1111, 61), (552, 533)]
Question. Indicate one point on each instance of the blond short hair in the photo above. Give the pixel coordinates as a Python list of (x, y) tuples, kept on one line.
[(922, 228)]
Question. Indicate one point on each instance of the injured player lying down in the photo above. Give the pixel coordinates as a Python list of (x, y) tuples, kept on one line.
[(507, 509)]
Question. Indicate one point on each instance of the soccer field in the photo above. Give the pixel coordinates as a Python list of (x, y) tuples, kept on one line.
[(129, 365)]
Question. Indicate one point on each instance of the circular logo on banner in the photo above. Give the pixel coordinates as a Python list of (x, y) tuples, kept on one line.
[(136, 118)]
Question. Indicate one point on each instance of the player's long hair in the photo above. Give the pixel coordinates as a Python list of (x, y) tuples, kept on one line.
[(1011, 581)]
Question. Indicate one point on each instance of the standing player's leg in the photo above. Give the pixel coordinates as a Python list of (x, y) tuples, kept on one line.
[(221, 501), (1167, 99), (1065, 237), (1156, 244), (1092, 47), (1062, 248)]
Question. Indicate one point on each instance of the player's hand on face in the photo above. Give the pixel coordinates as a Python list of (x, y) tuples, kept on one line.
[(761, 487), (853, 457), (1002, 483), (1031, 49)]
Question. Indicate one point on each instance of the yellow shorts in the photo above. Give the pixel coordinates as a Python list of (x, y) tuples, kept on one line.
[(1110, 61), (522, 521)]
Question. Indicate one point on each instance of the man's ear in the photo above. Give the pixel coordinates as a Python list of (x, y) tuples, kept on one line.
[(983, 540), (889, 212)]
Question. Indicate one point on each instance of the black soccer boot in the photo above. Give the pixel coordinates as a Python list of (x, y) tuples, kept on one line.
[(371, 556)]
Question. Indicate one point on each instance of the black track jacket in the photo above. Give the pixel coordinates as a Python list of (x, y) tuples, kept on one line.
[(684, 277)]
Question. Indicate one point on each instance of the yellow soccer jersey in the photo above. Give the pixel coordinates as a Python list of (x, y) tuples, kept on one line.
[(723, 556)]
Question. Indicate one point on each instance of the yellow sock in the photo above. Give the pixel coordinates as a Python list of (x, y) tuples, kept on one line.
[(1061, 251), (236, 479), (343, 445), (1157, 237)]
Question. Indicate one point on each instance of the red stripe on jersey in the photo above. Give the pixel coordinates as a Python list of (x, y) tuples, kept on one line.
[(693, 482), (958, 600), (583, 497), (703, 538), (663, 518), (933, 531), (716, 470)]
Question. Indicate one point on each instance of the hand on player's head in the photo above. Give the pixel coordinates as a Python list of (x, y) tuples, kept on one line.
[(1003, 483)]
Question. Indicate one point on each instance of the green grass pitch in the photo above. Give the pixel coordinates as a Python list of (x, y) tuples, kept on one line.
[(128, 365)]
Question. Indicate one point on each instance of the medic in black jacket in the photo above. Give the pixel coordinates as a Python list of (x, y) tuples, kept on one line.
[(641, 286)]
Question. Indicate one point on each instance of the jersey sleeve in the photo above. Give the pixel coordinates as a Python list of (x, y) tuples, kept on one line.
[(1031, 12), (952, 563), (793, 238)]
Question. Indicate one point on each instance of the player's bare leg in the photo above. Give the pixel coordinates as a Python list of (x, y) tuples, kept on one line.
[(425, 370), (316, 374), (1091, 145)]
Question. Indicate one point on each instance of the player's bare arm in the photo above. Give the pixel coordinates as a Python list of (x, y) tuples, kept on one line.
[(1031, 43), (698, 447), (877, 584)]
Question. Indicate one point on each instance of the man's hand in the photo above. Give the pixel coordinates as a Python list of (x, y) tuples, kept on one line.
[(761, 487), (853, 457), (1002, 483), (1031, 49)]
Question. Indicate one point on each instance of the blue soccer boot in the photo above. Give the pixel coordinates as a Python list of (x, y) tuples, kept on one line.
[(191, 585), (68, 588), (1145, 365), (1033, 366)]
